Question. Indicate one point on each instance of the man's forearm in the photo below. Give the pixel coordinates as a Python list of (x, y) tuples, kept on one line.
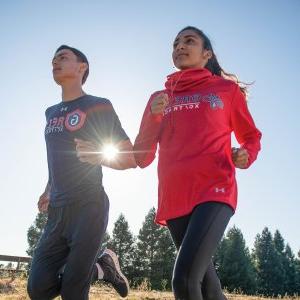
[(124, 163), (125, 158)]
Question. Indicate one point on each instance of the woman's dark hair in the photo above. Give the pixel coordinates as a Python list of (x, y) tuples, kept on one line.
[(213, 65)]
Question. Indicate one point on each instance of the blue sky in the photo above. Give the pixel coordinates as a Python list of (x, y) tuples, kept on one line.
[(128, 44)]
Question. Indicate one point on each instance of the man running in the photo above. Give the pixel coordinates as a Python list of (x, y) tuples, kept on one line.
[(78, 128)]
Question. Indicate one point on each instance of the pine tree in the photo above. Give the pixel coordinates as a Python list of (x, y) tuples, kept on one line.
[(278, 242), (105, 242), (35, 231), (281, 276), (155, 254), (122, 242), (297, 266), (290, 267), (266, 263), (234, 263), (218, 257), (164, 259), (146, 247)]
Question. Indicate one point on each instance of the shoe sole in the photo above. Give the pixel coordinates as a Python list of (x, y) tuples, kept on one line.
[(114, 257)]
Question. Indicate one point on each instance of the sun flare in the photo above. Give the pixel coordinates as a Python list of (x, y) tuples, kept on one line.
[(110, 151)]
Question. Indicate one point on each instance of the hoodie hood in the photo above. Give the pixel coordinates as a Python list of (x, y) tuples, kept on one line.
[(187, 80)]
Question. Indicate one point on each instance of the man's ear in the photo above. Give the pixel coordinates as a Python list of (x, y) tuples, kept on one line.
[(83, 67)]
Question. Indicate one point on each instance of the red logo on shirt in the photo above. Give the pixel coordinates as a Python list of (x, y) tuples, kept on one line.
[(75, 120)]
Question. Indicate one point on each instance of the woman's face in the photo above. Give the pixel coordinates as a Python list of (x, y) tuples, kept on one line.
[(188, 51)]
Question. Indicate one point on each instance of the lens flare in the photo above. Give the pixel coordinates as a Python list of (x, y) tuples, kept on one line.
[(110, 151)]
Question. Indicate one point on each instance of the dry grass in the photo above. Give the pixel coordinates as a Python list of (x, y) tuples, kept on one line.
[(16, 290)]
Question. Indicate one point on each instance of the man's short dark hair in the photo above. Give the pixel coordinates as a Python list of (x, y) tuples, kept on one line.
[(80, 57)]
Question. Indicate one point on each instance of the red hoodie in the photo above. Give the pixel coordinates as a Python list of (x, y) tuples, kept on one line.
[(194, 137)]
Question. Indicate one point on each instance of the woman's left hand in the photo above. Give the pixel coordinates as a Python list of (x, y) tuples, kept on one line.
[(240, 157)]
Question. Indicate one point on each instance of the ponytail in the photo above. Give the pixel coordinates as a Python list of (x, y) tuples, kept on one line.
[(213, 65)]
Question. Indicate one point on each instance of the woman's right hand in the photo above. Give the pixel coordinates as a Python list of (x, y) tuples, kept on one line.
[(159, 103)]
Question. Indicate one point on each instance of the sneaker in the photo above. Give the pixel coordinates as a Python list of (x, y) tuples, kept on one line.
[(109, 263)]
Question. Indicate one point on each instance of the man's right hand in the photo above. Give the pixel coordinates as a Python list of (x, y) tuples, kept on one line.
[(159, 103), (43, 202)]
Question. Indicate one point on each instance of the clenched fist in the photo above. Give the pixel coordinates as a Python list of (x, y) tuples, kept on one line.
[(240, 157), (43, 202), (159, 103)]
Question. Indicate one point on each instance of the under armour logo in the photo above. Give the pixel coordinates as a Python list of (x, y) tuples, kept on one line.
[(64, 109), (220, 190)]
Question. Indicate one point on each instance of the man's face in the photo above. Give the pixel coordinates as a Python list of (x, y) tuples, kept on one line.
[(66, 67)]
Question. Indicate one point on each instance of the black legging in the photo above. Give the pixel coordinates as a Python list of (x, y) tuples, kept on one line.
[(196, 236)]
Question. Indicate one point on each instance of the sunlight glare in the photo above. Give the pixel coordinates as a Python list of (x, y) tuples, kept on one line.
[(110, 151)]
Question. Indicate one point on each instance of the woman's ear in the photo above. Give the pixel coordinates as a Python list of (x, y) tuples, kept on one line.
[(208, 54)]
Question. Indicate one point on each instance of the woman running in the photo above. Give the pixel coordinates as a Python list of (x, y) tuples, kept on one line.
[(192, 120)]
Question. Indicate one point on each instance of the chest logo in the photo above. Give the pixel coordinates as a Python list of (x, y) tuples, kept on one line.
[(75, 120), (195, 101), (214, 101)]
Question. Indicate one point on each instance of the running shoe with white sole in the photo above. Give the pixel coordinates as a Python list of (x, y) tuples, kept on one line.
[(109, 263)]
